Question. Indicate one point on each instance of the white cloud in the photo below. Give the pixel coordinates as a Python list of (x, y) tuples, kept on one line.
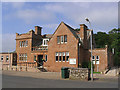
[(50, 25), (60, 0), (17, 5), (8, 42), (102, 17), (31, 16)]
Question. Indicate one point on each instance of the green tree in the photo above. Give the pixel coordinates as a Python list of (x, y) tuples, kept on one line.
[(101, 39), (112, 39)]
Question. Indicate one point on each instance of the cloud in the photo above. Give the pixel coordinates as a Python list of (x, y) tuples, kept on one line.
[(60, 0), (17, 5), (31, 16), (8, 42), (50, 27), (102, 15)]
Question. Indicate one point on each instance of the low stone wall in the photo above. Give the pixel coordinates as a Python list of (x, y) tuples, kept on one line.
[(79, 74), (21, 68)]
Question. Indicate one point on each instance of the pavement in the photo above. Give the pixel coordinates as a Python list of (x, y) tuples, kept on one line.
[(45, 75), (9, 81), (56, 75), (18, 79)]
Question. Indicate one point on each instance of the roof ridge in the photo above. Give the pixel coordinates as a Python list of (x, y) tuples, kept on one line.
[(68, 26), (72, 30)]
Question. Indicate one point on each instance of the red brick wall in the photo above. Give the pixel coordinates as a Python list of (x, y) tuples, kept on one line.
[(71, 46), (32, 38), (103, 58), (10, 58)]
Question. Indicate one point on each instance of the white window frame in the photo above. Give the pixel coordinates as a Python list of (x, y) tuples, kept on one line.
[(63, 54), (45, 41), (97, 60), (7, 57), (62, 39), (56, 54), (67, 54), (2, 58), (59, 40), (93, 60), (60, 55)]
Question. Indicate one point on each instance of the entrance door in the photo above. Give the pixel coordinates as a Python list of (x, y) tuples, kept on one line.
[(40, 61)]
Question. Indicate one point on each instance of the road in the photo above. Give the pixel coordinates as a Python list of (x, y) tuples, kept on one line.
[(9, 81)]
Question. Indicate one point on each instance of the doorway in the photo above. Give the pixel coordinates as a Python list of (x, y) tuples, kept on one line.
[(40, 61)]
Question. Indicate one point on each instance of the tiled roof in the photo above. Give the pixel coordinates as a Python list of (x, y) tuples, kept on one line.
[(72, 30)]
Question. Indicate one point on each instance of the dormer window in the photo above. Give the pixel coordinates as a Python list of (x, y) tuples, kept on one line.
[(45, 42)]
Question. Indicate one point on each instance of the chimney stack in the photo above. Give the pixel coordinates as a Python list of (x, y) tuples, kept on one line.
[(83, 34), (83, 31), (38, 30)]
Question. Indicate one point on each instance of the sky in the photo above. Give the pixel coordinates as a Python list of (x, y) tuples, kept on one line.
[(20, 17)]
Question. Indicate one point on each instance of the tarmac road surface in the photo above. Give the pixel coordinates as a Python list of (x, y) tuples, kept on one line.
[(10, 81)]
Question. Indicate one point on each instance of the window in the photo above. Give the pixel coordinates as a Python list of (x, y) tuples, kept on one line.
[(97, 59), (19, 56), (56, 56), (60, 57), (26, 43), (93, 59), (58, 39), (45, 42), (23, 43), (34, 58), (67, 56), (7, 58), (1, 58), (46, 58), (63, 56), (62, 39), (26, 57), (65, 38), (20, 44)]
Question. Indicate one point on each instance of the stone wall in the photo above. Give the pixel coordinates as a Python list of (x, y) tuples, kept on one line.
[(79, 73), (21, 68)]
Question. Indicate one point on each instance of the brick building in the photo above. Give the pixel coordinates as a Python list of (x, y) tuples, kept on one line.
[(8, 59), (66, 47)]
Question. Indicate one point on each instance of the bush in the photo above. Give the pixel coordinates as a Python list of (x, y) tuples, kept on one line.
[(87, 65)]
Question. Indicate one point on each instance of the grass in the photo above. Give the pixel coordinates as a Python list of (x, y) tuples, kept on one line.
[(96, 72)]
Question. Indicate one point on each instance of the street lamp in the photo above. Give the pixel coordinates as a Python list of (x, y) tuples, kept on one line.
[(91, 48)]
